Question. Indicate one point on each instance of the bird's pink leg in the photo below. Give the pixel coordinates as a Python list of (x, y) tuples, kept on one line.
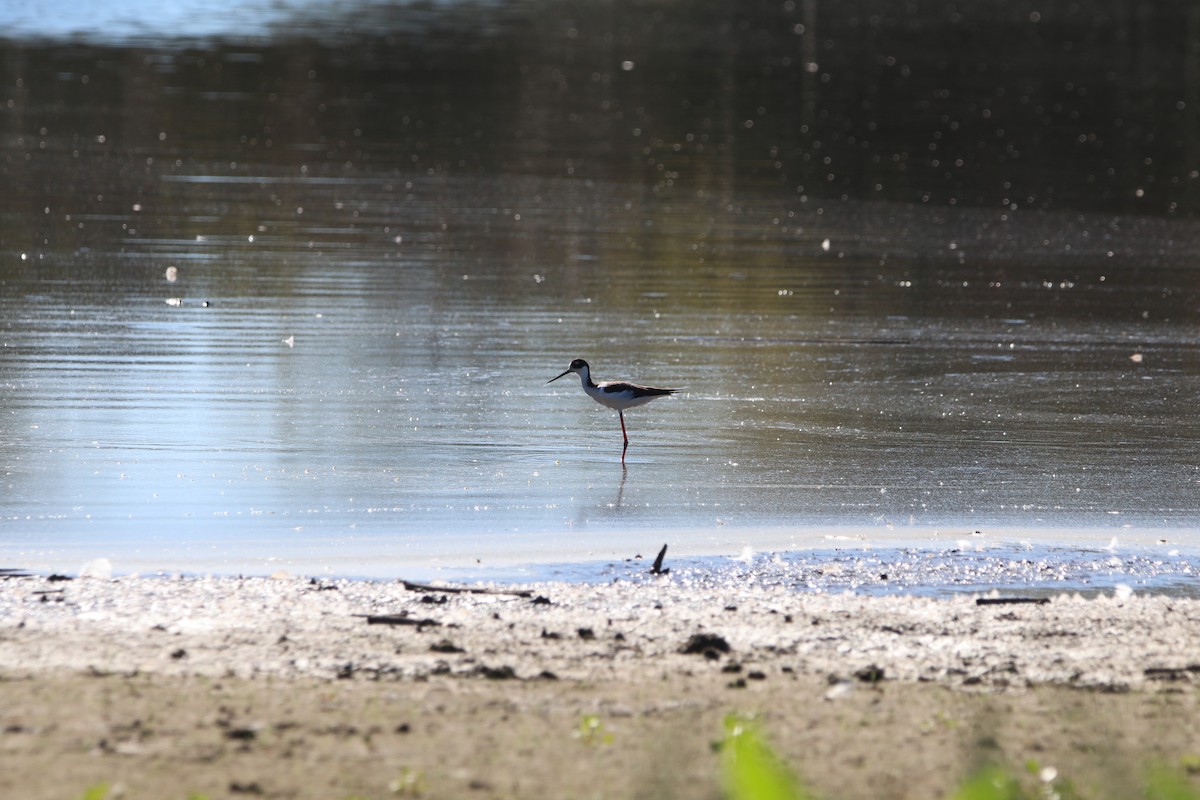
[(621, 414)]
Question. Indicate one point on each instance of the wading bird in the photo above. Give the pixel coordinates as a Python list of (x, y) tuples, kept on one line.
[(617, 395)]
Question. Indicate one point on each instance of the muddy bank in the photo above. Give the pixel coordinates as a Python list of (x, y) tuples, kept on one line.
[(292, 627), (295, 688)]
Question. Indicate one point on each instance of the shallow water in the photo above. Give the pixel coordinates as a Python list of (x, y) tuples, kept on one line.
[(291, 301), (1005, 569)]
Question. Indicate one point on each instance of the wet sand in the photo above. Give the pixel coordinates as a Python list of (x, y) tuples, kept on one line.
[(287, 687)]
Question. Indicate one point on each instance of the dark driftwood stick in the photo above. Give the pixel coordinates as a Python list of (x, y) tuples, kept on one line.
[(397, 619), (1171, 673), (425, 587), (657, 569), (1011, 601)]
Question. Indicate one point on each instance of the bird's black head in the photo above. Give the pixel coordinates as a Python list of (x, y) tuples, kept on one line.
[(578, 365)]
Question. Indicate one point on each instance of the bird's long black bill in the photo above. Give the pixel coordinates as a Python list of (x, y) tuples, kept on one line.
[(552, 380)]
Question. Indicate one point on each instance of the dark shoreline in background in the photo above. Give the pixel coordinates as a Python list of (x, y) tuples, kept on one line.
[(1086, 107)]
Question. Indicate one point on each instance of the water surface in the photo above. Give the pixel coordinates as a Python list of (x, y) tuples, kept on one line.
[(289, 296)]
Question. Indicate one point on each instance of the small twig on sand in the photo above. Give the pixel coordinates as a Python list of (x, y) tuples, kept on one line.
[(1011, 601), (1171, 673), (399, 619), (425, 587)]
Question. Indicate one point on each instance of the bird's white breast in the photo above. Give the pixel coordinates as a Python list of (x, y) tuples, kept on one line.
[(618, 400)]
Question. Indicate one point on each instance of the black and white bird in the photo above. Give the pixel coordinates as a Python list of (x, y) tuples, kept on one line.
[(617, 395)]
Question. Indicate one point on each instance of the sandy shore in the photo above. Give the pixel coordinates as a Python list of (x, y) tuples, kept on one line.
[(288, 687)]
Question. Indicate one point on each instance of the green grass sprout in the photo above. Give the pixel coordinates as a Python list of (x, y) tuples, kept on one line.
[(751, 769)]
